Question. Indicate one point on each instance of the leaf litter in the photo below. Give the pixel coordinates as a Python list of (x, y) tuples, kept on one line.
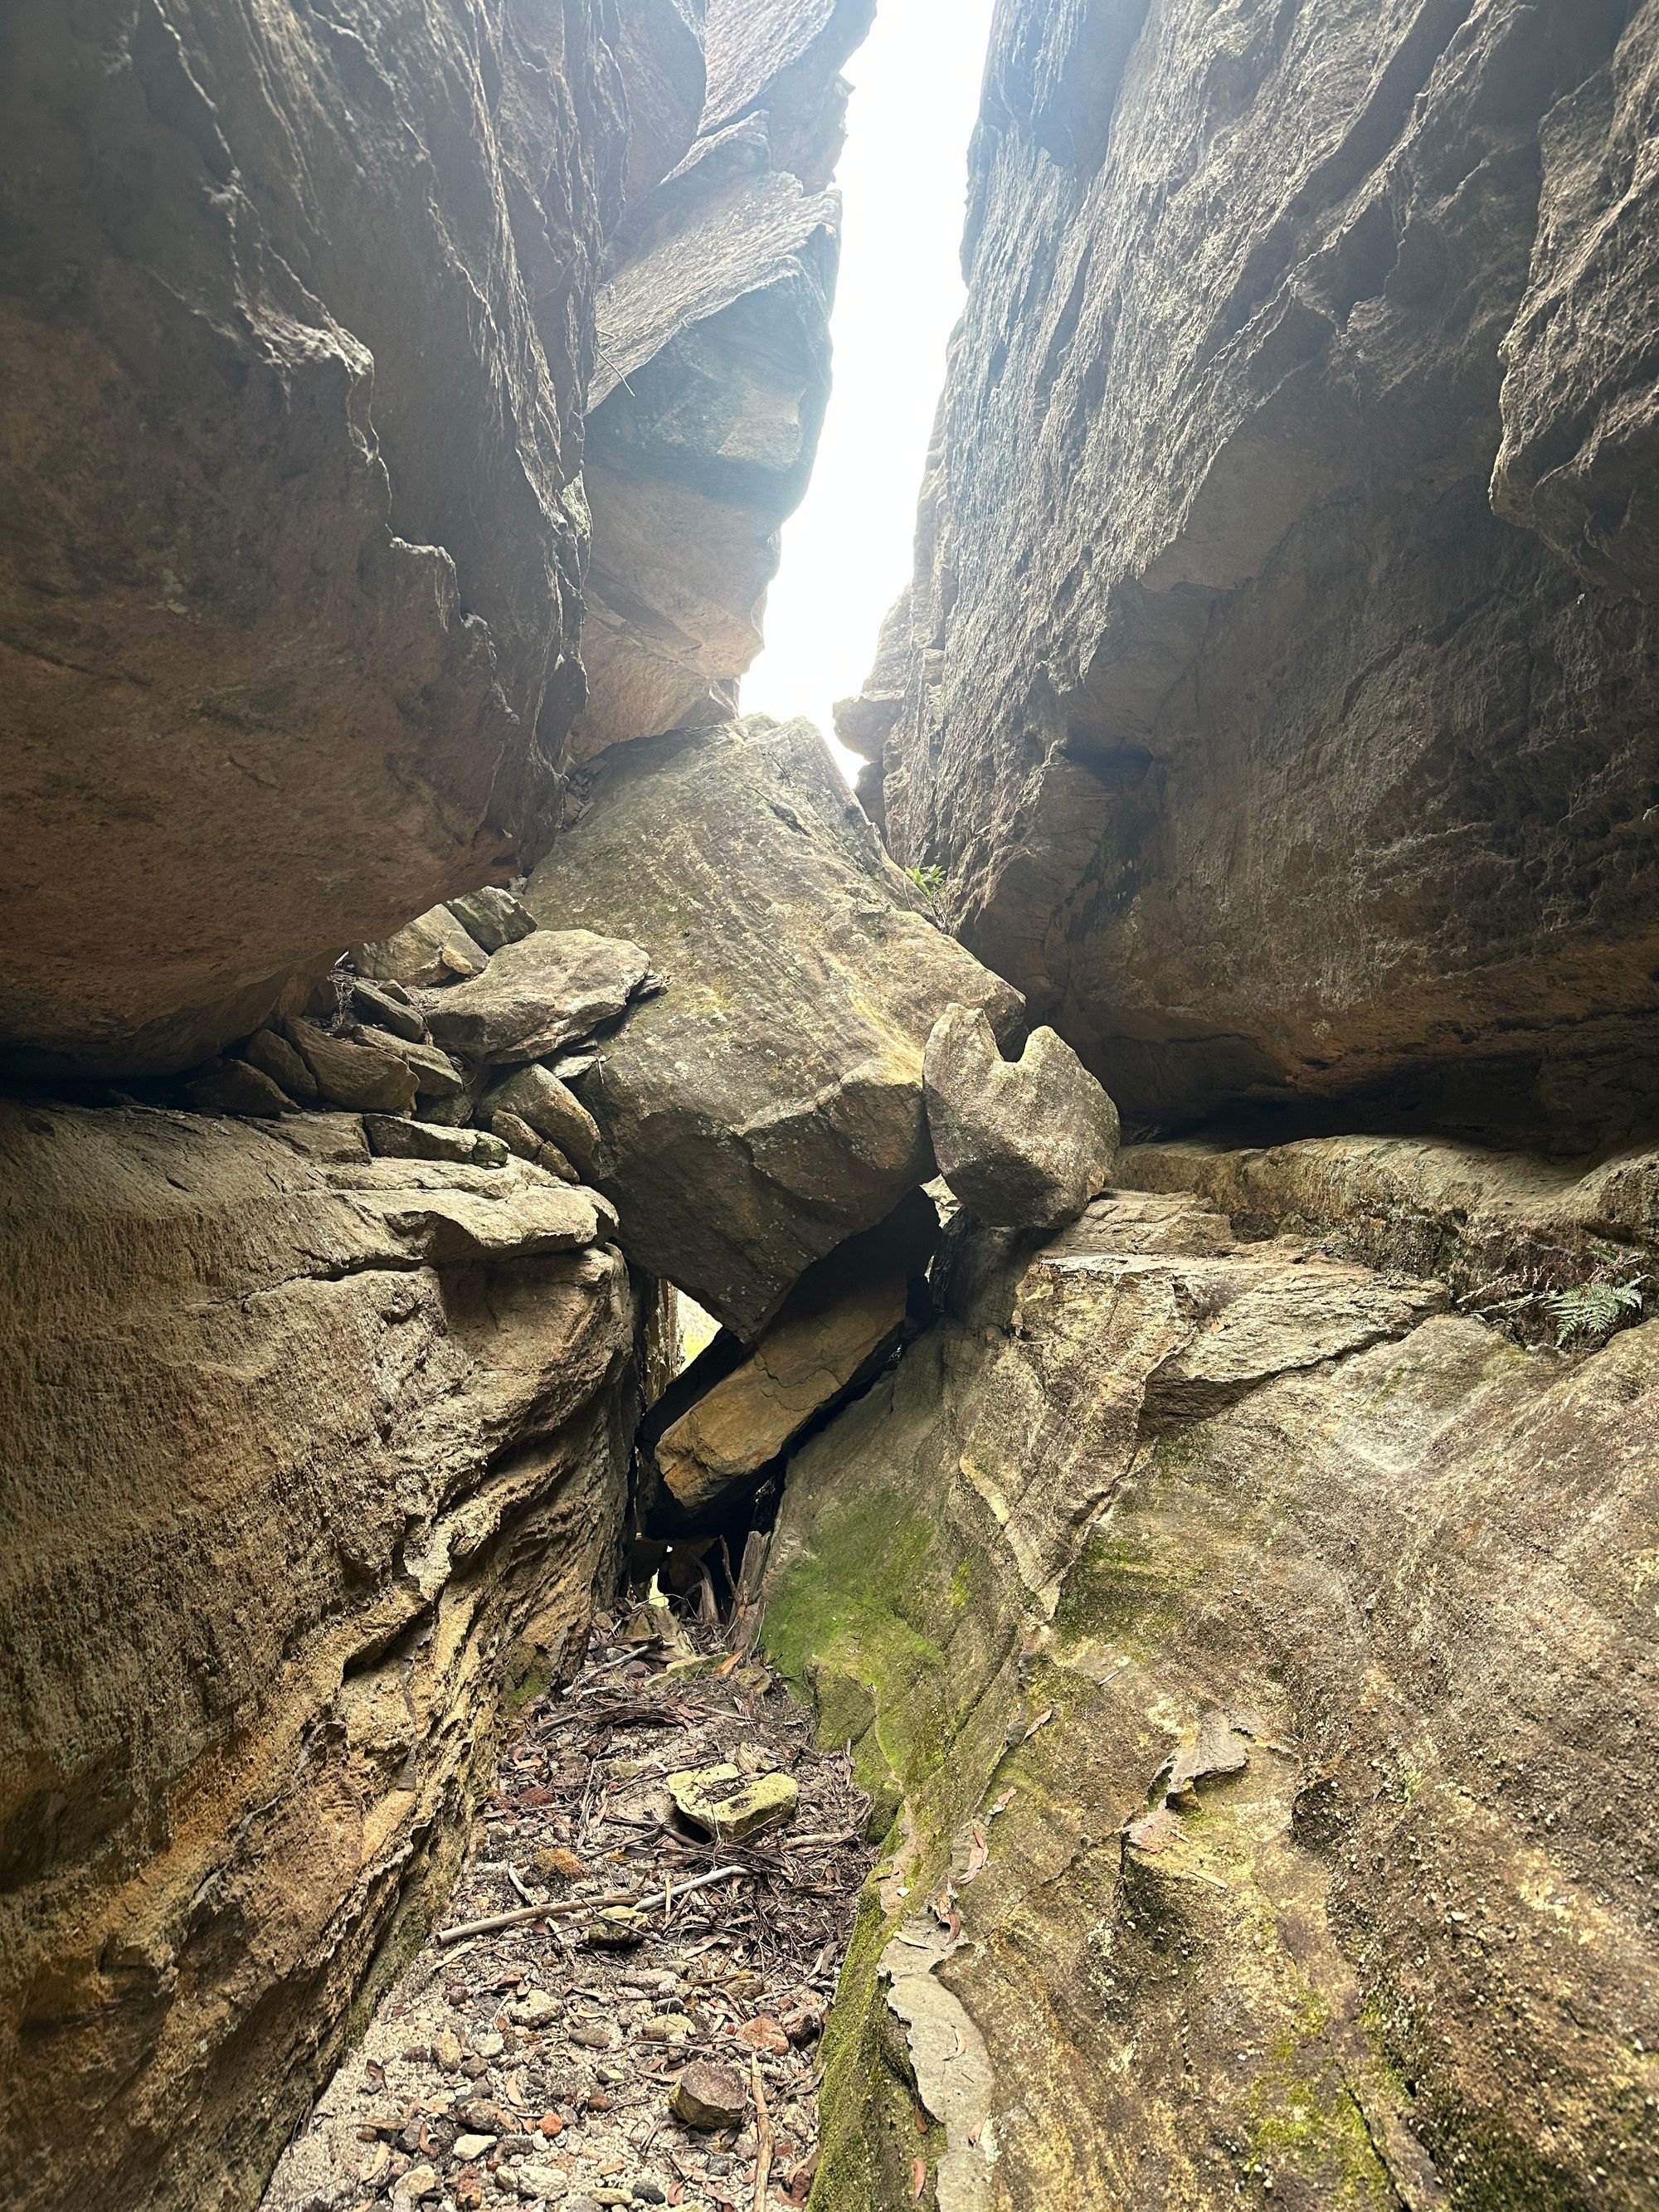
[(596, 1945)]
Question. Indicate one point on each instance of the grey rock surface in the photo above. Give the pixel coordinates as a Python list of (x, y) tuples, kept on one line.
[(291, 548), (1279, 698), (542, 992), (1023, 1144), (768, 1104)]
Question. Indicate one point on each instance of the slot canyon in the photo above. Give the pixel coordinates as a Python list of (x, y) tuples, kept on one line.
[(726, 1491)]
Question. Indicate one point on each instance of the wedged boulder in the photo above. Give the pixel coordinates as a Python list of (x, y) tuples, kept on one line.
[(235, 1086), (492, 917), (365, 1078), (540, 993), (767, 1104), (1248, 1646), (436, 948), (1023, 1144), (550, 1108), (297, 1505), (391, 1138), (836, 1328)]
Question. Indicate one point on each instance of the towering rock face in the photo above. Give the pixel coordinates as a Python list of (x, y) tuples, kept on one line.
[(1257, 1654), (1277, 683), (713, 370), (309, 1460), (296, 316)]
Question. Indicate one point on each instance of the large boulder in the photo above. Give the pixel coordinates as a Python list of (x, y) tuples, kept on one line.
[(1248, 1650), (292, 534), (1277, 685), (542, 992), (309, 1461), (768, 1104), (1023, 1143), (729, 1416)]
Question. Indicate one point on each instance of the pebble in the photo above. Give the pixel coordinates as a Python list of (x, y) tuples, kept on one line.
[(468, 2148), (490, 2045), (535, 2011)]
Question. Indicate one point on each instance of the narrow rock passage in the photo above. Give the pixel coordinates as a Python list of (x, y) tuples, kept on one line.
[(539, 2063)]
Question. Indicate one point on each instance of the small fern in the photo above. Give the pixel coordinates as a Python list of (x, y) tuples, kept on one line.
[(1593, 1308)]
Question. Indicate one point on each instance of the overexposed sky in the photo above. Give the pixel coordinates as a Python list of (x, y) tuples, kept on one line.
[(846, 549)]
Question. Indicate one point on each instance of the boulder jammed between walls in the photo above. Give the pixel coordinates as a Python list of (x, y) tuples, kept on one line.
[(767, 1104), (1276, 685)]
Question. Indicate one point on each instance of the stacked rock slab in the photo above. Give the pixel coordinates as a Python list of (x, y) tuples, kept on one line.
[(293, 532), (766, 1103), (1255, 1657), (309, 1459), (714, 371), (1276, 685)]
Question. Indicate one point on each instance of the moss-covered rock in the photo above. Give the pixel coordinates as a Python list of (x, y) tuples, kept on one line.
[(1247, 1659)]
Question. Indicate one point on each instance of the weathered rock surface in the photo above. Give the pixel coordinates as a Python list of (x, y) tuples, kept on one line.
[(713, 372), (304, 1468), (837, 1328), (1260, 1655), (767, 1105), (292, 534), (537, 994), (1023, 1143), (1501, 1230), (1278, 678)]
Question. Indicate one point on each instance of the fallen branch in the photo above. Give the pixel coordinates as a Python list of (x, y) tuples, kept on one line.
[(765, 2140), (556, 1906)]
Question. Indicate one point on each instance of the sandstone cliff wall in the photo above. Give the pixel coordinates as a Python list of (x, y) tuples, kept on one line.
[(308, 1461), (296, 308), (1277, 683)]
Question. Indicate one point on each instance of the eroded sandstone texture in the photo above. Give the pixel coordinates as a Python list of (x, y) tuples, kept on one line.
[(1277, 684), (296, 319), (306, 1461), (1258, 1653), (766, 1103)]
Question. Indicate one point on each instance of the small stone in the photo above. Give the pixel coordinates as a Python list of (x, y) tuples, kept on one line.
[(599, 2035), (492, 917), (421, 2181), (490, 2044), (550, 2125), (671, 2027), (446, 2051), (614, 1933), (471, 2147), (555, 1861), (231, 1086), (547, 2182), (275, 1056), (709, 2097), (763, 2033), (728, 1806), (535, 2011), (517, 1135), (385, 1008), (647, 2192)]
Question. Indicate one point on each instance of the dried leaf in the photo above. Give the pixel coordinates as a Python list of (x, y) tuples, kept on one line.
[(1041, 1721), (918, 2180)]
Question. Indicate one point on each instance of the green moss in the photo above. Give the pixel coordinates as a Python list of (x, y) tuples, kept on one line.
[(1304, 2118), (874, 2128)]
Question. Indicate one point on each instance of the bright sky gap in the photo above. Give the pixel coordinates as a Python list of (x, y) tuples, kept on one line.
[(846, 552)]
